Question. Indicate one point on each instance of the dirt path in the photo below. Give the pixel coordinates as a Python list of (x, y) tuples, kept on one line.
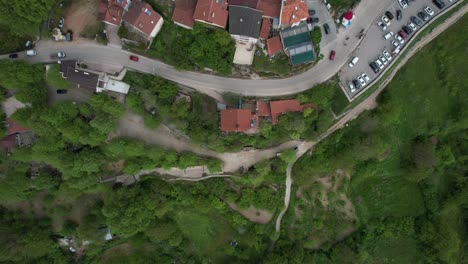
[(80, 14), (253, 214), (367, 104)]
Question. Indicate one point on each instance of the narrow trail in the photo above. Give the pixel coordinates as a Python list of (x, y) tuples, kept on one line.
[(369, 103)]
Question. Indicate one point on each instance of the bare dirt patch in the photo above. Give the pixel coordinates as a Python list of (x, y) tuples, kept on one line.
[(253, 214), (80, 14)]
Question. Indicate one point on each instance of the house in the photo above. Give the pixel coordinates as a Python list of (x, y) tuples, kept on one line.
[(244, 23), (293, 12), (237, 120), (298, 44), (212, 12), (270, 8), (274, 46), (111, 11), (17, 136), (284, 106), (183, 13), (141, 17), (107, 233), (92, 81), (266, 27)]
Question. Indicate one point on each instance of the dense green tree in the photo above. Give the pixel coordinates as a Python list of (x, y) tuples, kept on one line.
[(24, 17)]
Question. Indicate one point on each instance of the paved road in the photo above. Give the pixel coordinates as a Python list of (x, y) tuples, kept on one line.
[(366, 12)]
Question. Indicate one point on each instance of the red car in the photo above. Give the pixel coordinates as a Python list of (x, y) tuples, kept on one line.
[(332, 55), (403, 34), (133, 58)]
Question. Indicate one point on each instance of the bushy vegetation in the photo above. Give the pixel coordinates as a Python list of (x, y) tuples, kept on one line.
[(200, 47), (54, 78)]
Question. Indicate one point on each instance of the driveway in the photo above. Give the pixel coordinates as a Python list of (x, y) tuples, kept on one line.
[(113, 37), (321, 12)]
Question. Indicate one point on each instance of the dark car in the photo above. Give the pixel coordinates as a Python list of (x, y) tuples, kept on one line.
[(357, 84), (439, 4), (423, 16), (134, 58), (69, 35), (326, 28), (311, 12), (13, 56), (311, 20), (375, 68), (399, 15), (407, 30), (389, 15), (403, 34), (332, 55), (416, 20), (61, 91)]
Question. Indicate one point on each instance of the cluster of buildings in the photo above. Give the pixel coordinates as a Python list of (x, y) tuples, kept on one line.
[(135, 15), (246, 119), (249, 21)]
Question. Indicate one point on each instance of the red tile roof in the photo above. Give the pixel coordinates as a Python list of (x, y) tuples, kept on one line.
[(111, 11), (142, 17), (263, 108), (183, 12), (14, 127), (212, 12), (274, 45), (236, 120), (266, 27), (270, 8), (9, 142), (293, 11), (283, 106), (247, 3)]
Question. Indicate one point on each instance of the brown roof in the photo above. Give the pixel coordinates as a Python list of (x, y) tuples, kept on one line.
[(212, 12), (183, 12), (142, 17), (283, 106), (266, 27), (293, 12), (111, 11), (274, 45), (263, 108), (9, 142), (270, 8), (13, 127), (236, 120)]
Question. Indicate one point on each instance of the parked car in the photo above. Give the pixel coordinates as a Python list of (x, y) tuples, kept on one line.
[(395, 43), (326, 28), (134, 58), (429, 11), (416, 20), (400, 39), (407, 30), (61, 22), (379, 64), (361, 81), (412, 26), (311, 12), (351, 87), (403, 3), (61, 91), (375, 68), (311, 20), (388, 35), (439, 3), (399, 15), (385, 20), (387, 55), (13, 56), (383, 59), (332, 55), (31, 52), (353, 62), (402, 34), (357, 84), (381, 25), (365, 77), (423, 16), (389, 15), (58, 55), (69, 35)]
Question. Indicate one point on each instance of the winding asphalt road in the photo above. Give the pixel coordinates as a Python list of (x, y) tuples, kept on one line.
[(344, 44)]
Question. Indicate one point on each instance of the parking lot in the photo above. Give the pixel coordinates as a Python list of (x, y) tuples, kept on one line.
[(321, 12), (374, 43)]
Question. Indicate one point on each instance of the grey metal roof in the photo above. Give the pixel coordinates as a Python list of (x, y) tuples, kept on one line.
[(244, 21), (84, 79)]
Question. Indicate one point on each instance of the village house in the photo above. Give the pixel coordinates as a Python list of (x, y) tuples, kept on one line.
[(16, 136), (212, 12), (183, 13), (293, 12)]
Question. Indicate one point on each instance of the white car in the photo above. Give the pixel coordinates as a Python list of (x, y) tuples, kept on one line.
[(429, 11), (412, 26), (400, 39), (365, 77), (395, 43), (381, 25), (386, 20), (361, 81), (353, 62), (379, 64), (351, 87), (383, 60), (388, 35), (403, 4), (387, 55)]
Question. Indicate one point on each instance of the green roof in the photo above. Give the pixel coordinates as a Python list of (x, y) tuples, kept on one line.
[(302, 57), (297, 39)]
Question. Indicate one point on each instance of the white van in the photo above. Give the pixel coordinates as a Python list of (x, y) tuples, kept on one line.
[(31, 52), (388, 35), (353, 62)]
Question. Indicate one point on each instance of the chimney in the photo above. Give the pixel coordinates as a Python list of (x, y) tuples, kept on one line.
[(296, 8), (241, 20), (212, 15)]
